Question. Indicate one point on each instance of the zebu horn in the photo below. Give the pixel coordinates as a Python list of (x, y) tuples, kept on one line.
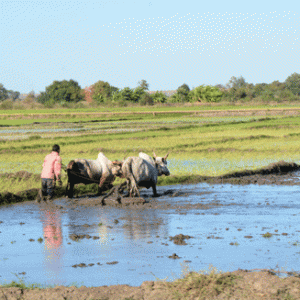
[(166, 156), (154, 154)]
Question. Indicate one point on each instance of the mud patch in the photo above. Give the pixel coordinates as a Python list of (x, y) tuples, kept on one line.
[(179, 239), (280, 173), (241, 284), (110, 201), (112, 262), (77, 237), (81, 265), (273, 168), (174, 256), (113, 197)]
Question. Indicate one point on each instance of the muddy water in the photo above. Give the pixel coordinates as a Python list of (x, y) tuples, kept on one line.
[(131, 245)]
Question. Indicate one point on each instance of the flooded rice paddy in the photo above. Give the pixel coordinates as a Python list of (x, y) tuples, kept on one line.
[(46, 129), (132, 244), (231, 226), (214, 166)]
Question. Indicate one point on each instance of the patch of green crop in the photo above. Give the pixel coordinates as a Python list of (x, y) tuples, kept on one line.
[(207, 146), (15, 186)]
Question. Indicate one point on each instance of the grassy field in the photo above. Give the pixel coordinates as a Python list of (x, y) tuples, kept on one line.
[(204, 145), (88, 112)]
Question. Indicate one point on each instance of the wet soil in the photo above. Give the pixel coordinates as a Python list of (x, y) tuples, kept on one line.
[(280, 173), (240, 284)]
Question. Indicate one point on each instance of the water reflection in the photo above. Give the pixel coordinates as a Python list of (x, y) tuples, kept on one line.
[(53, 243), (144, 224), (134, 224), (139, 242), (89, 221), (52, 229)]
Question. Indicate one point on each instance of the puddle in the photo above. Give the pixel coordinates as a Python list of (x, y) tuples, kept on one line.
[(133, 245)]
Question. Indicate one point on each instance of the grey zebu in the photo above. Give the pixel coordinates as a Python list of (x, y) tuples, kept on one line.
[(142, 171), (87, 171)]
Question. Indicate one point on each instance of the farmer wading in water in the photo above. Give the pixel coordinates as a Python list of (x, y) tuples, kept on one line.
[(50, 173)]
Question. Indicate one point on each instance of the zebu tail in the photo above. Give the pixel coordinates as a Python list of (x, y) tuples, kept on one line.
[(129, 174)]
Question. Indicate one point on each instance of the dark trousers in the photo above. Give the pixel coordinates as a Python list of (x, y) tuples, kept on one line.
[(47, 187)]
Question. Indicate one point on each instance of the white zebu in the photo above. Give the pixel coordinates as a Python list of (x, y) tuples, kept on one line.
[(143, 171), (87, 171)]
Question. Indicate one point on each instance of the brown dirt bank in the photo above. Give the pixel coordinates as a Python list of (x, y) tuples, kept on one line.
[(280, 173), (241, 284)]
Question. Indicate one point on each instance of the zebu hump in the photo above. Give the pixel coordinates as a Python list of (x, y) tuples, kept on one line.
[(147, 157)]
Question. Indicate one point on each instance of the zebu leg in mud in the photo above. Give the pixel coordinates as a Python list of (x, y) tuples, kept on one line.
[(70, 190), (153, 185), (71, 169), (102, 182)]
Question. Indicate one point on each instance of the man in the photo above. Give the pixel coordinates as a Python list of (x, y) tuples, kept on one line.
[(50, 173)]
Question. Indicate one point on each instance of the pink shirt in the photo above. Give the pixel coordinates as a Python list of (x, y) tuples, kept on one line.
[(51, 165)]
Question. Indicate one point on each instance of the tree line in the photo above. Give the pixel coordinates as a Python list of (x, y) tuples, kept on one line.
[(102, 93)]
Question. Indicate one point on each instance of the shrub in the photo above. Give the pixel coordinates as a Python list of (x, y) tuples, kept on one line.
[(267, 95), (159, 97), (146, 99), (205, 94), (293, 83), (7, 104)]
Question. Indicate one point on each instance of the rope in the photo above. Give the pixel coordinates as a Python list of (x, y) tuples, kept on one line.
[(84, 177)]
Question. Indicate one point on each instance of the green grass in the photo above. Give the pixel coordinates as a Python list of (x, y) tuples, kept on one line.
[(207, 106), (212, 145), (21, 117), (22, 285), (13, 186), (206, 284), (267, 235)]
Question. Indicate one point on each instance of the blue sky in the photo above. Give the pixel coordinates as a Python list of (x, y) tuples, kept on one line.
[(167, 43)]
